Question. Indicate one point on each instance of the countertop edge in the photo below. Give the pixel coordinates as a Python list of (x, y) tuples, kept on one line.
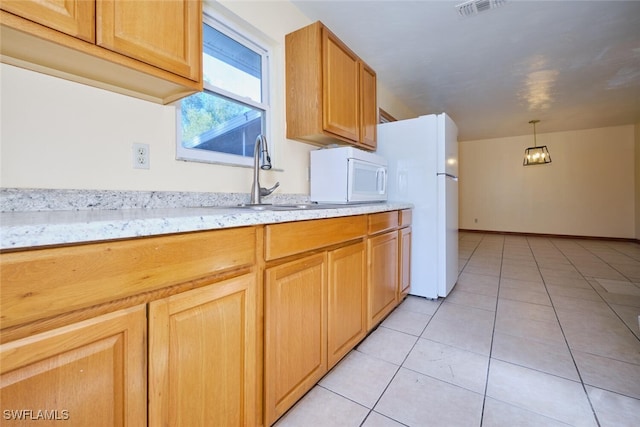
[(24, 230)]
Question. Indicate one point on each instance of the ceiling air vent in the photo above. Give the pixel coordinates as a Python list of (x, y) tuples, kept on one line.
[(475, 7)]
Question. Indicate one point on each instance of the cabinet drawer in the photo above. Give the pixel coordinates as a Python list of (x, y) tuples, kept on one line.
[(42, 283), (383, 221), (405, 218), (291, 238)]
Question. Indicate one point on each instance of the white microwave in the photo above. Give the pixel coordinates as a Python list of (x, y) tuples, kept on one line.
[(347, 175)]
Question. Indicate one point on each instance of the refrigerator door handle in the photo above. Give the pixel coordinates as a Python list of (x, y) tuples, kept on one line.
[(448, 175)]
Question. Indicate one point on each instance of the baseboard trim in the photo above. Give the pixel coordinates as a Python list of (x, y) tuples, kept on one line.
[(555, 236)]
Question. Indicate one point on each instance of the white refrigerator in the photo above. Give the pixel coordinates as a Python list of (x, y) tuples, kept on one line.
[(422, 155)]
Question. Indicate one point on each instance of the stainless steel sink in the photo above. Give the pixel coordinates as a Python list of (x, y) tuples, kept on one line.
[(287, 207)]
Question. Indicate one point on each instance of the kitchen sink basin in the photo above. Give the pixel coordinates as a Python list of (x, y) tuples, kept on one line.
[(287, 207)]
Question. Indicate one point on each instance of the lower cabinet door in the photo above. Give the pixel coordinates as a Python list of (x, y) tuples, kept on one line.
[(202, 356), (383, 275), (404, 262), (91, 373), (347, 305), (295, 332)]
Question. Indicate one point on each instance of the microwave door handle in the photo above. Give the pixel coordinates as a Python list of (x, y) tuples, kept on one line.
[(381, 181)]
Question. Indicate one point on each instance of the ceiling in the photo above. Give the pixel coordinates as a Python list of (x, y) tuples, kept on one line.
[(570, 64)]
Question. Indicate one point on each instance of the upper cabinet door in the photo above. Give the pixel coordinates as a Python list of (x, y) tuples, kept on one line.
[(341, 114), (131, 28), (73, 17), (368, 107)]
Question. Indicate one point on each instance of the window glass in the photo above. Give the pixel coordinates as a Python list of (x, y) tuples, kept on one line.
[(221, 123), (231, 66)]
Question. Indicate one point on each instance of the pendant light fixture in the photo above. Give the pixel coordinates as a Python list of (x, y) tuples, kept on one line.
[(536, 155)]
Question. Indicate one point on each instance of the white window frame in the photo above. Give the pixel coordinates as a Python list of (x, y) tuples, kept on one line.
[(244, 34)]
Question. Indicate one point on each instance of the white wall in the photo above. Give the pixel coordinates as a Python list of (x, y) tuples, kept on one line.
[(59, 134), (389, 103), (588, 189)]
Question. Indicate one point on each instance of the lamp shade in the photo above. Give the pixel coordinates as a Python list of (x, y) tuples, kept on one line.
[(536, 156)]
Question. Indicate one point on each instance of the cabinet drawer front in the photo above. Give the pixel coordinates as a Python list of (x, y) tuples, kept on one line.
[(43, 283), (405, 217), (383, 221), (295, 237)]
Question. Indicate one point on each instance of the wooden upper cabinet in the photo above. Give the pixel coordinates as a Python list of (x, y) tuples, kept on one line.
[(73, 17), (340, 82), (147, 49), (132, 29), (331, 92), (368, 107)]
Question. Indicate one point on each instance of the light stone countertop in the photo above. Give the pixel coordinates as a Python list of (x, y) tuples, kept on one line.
[(24, 229)]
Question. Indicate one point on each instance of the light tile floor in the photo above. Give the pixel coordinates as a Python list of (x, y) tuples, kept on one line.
[(537, 332)]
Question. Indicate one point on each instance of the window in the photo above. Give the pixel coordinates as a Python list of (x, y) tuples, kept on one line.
[(221, 123), (385, 117)]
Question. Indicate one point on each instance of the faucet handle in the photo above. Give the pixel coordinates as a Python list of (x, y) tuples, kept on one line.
[(267, 191)]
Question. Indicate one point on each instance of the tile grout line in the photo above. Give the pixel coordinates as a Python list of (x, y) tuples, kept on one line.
[(545, 253), (493, 331), (555, 312), (399, 366), (589, 279), (595, 254), (413, 346), (396, 372), (596, 279)]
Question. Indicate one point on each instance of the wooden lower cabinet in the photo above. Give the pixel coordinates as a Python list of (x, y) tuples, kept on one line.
[(382, 275), (181, 342), (295, 332), (202, 347), (404, 262), (347, 300), (93, 372)]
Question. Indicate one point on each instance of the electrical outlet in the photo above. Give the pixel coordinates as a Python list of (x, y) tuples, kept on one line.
[(140, 156)]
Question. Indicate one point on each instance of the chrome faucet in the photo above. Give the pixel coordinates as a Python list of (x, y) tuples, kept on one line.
[(259, 151)]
